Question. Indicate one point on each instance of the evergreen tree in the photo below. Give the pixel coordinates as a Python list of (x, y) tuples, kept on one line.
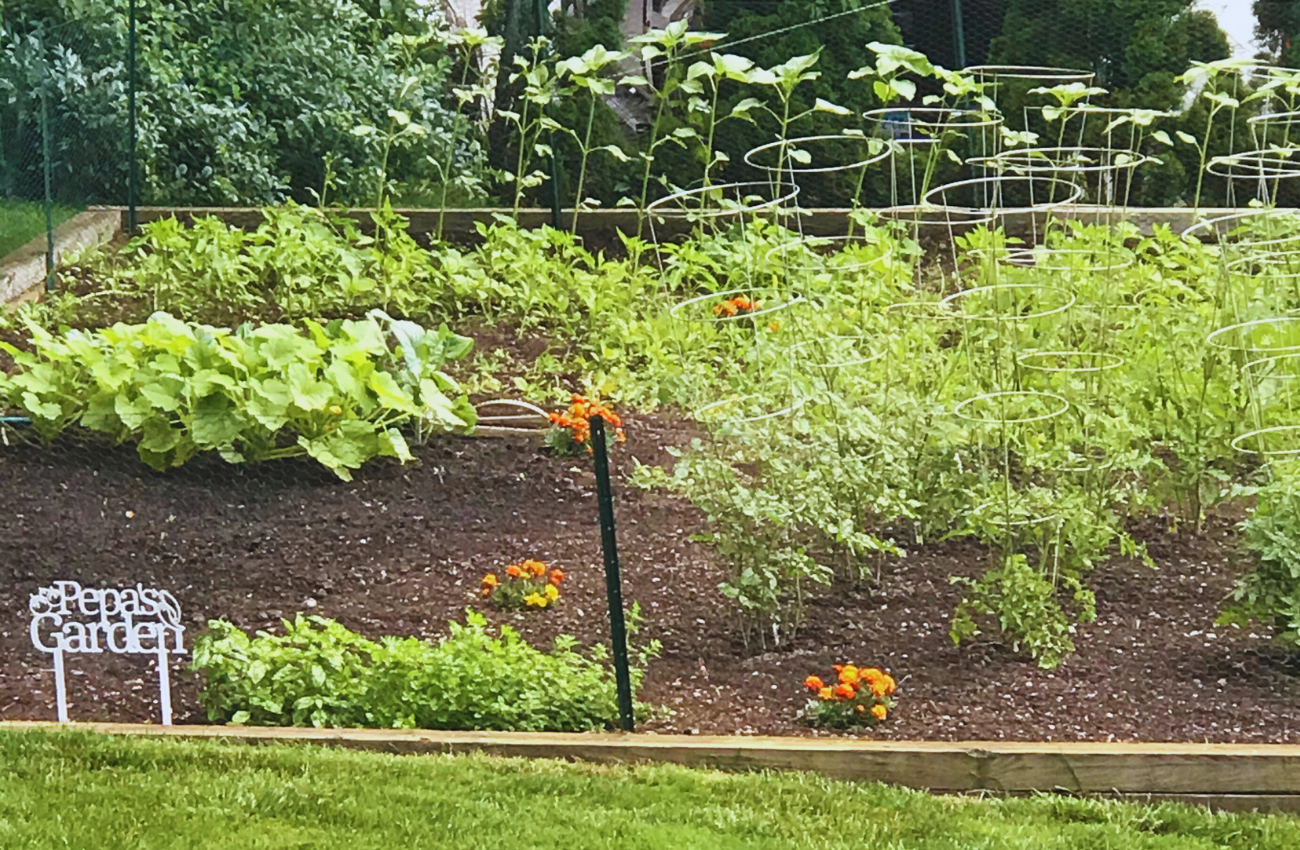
[(1277, 27)]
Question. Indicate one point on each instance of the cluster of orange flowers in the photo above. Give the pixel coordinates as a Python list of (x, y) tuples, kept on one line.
[(857, 695), (527, 585), (576, 421), (735, 306)]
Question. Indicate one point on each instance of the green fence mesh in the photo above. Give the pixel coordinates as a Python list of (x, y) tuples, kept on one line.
[(64, 130)]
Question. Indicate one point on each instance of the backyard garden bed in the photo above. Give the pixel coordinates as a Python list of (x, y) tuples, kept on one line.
[(401, 550)]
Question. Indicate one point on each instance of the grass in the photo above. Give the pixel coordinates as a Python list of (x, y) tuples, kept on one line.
[(23, 221), (90, 791)]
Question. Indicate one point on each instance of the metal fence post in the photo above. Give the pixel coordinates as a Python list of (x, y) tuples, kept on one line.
[(133, 178), (958, 34), (613, 581), (47, 155)]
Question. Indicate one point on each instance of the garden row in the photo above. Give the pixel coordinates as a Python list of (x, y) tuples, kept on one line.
[(851, 400)]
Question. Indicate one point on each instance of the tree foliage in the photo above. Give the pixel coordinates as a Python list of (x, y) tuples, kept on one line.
[(1277, 23), (239, 102), (1136, 46)]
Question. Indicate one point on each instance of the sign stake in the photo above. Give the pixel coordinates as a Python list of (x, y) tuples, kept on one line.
[(164, 682), (60, 687)]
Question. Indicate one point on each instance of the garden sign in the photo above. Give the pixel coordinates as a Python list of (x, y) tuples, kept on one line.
[(70, 619)]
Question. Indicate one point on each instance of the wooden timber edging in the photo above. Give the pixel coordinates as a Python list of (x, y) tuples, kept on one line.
[(1225, 776), (601, 225), (22, 272)]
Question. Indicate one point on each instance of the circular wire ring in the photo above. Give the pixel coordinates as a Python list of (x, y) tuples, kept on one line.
[(1046, 73), (1040, 160), (1249, 367), (1256, 164), (1265, 213), (1064, 405), (1075, 192), (1108, 361), (1004, 523), (1261, 433), (656, 207), (1028, 258), (931, 121), (707, 410), (1212, 339), (829, 169), (920, 309), (996, 287)]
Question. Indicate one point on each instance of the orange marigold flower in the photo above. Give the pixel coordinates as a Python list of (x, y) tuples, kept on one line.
[(879, 712), (844, 691), (490, 580), (824, 693), (890, 684), (849, 675), (871, 674), (878, 687), (557, 576), (536, 567), (513, 571), (861, 709), (813, 683)]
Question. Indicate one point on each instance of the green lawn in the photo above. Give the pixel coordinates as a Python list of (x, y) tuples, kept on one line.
[(84, 791), (23, 221)]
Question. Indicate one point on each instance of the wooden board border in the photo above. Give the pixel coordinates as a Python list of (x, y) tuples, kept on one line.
[(1236, 776)]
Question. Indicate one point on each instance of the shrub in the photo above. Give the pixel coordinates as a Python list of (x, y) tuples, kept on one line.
[(239, 102), (322, 674)]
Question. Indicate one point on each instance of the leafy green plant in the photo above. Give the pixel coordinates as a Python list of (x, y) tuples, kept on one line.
[(336, 393), (1023, 603), (1270, 537), (319, 673)]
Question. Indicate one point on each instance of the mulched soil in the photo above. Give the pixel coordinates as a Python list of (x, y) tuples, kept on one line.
[(401, 551)]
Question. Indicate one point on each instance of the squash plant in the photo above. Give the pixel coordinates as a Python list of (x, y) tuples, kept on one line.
[(335, 392)]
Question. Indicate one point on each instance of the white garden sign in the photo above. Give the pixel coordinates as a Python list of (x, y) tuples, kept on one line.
[(68, 619)]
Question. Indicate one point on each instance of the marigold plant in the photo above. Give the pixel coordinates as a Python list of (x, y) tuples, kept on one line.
[(528, 584), (735, 307), (857, 696), (571, 431)]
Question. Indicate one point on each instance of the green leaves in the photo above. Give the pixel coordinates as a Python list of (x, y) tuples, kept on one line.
[(318, 673), (335, 393)]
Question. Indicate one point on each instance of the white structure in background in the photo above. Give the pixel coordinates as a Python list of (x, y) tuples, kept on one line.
[(642, 16)]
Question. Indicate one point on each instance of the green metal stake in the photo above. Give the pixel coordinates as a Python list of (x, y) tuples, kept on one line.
[(47, 154), (613, 582), (133, 174), (958, 34)]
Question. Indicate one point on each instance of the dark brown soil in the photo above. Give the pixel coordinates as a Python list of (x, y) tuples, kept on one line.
[(401, 551)]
